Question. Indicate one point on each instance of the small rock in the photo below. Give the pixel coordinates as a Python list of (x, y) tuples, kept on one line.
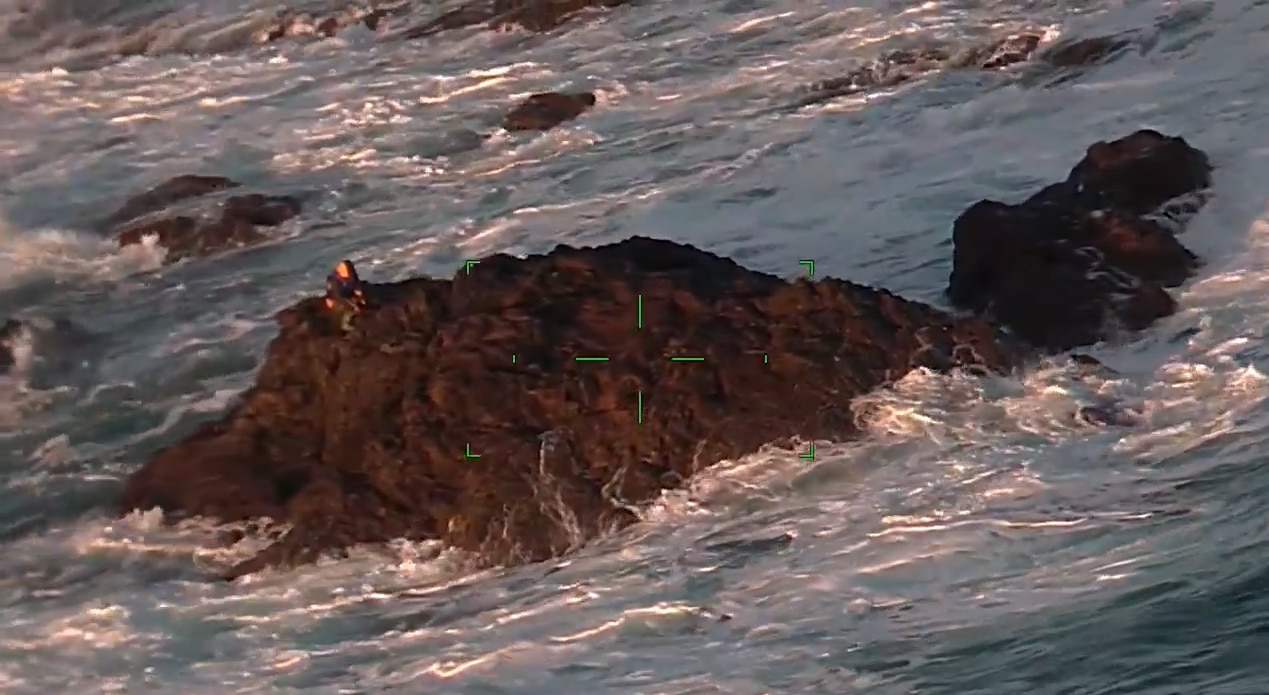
[(1108, 415), (548, 109)]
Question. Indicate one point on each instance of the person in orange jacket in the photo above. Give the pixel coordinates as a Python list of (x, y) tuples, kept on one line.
[(345, 296)]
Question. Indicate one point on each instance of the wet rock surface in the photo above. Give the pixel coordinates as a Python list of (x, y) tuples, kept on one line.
[(548, 109), (235, 221), (1083, 257), (458, 409)]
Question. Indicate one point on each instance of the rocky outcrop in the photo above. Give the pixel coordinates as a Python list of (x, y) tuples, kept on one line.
[(548, 109), (898, 67), (1084, 256), (528, 405), (233, 221), (534, 15)]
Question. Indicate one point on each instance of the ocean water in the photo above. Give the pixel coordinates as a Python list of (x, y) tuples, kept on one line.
[(979, 540)]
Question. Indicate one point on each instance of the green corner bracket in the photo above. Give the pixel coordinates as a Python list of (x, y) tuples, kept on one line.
[(809, 455), (468, 455)]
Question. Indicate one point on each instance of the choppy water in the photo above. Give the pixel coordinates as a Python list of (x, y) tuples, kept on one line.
[(980, 542)]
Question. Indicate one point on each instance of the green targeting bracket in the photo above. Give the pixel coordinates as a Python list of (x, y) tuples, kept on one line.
[(469, 264), (468, 455), (810, 267), (766, 358), (809, 454)]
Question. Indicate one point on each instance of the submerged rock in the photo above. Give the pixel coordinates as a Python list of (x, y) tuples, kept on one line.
[(528, 405), (1080, 257), (236, 222), (548, 109), (1108, 414), (534, 15), (898, 67), (173, 190), (1082, 52), (890, 70), (290, 23)]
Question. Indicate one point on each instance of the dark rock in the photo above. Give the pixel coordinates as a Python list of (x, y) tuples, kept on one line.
[(460, 18), (534, 15), (171, 191), (547, 110), (194, 233), (1075, 53), (1025, 47), (890, 70), (1087, 365), (263, 210), (1108, 414), (1079, 257), (184, 237), (998, 54), (363, 437), (290, 23), (898, 67)]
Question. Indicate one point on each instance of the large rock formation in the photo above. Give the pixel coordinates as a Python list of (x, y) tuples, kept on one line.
[(235, 221), (1083, 256), (477, 410)]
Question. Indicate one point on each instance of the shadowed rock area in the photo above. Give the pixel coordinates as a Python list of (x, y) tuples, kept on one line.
[(548, 109), (235, 222), (1079, 258), (365, 437)]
